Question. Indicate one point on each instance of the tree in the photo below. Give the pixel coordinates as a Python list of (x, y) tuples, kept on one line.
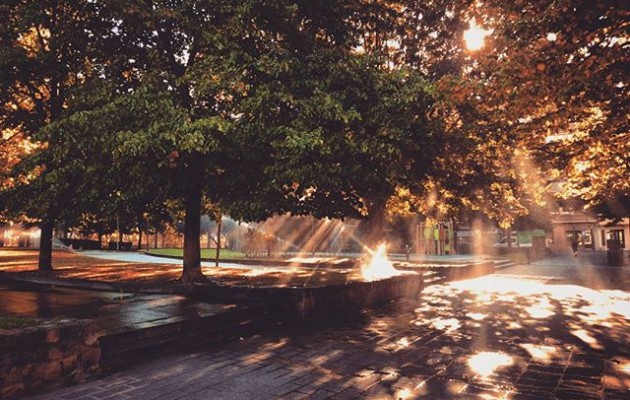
[(360, 131), (554, 73), (545, 97), (194, 71), (47, 51)]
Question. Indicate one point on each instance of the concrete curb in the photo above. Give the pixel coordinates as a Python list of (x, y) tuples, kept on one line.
[(127, 287)]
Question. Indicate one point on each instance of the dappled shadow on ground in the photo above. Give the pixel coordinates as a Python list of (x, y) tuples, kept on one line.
[(487, 338), (495, 337), (77, 266), (594, 277)]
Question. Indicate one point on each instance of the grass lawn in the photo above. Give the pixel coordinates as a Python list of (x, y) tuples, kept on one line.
[(9, 322), (225, 254)]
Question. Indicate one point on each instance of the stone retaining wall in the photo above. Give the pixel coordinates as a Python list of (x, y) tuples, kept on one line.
[(315, 299), (49, 355)]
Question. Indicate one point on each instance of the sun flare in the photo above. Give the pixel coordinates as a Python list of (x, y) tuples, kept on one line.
[(475, 36), (378, 265)]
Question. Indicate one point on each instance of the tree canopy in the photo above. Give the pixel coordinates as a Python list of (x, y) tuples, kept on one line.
[(555, 74), (331, 109)]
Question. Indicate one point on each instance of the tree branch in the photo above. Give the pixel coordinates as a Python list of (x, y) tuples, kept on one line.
[(7, 140)]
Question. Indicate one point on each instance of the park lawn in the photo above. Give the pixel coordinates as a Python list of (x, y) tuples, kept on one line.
[(225, 254), (10, 322)]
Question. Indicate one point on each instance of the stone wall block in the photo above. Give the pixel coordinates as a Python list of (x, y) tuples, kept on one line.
[(77, 376), (51, 354), (93, 370), (91, 357), (72, 334), (4, 370), (90, 337), (54, 354), (27, 371), (77, 349), (49, 371), (52, 336), (12, 391), (69, 363), (14, 375)]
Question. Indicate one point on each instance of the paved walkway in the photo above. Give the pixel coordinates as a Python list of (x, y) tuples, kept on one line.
[(114, 312), (110, 266), (496, 337), (142, 258), (157, 272)]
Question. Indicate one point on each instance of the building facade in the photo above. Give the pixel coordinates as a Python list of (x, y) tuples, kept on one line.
[(591, 233)]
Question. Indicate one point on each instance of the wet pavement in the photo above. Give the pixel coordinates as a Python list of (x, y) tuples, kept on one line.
[(113, 312), (528, 333), (56, 302)]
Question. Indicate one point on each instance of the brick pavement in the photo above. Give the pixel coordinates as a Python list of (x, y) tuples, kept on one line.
[(496, 337)]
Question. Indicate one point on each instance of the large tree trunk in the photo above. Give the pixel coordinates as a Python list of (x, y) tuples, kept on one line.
[(373, 228), (45, 246), (192, 229), (139, 239)]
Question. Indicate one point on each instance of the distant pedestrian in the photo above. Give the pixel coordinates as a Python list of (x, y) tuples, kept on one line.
[(574, 246)]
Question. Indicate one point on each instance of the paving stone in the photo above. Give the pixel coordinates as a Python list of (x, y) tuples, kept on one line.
[(113, 391), (364, 359), (534, 391), (524, 396), (613, 394), (538, 382), (575, 394), (295, 396)]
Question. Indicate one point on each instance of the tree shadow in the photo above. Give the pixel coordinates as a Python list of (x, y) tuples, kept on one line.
[(489, 337)]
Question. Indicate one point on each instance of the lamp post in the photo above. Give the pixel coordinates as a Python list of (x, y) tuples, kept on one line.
[(117, 232)]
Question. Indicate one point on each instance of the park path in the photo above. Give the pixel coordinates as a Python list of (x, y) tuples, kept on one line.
[(155, 272), (143, 258), (503, 336)]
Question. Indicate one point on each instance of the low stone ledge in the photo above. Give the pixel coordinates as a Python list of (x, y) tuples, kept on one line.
[(330, 299), (48, 355), (451, 272)]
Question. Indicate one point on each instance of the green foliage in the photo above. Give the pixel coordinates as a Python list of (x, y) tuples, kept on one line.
[(10, 322), (48, 52), (331, 109), (224, 254)]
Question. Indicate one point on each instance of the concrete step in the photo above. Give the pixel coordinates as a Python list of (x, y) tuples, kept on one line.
[(502, 264)]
